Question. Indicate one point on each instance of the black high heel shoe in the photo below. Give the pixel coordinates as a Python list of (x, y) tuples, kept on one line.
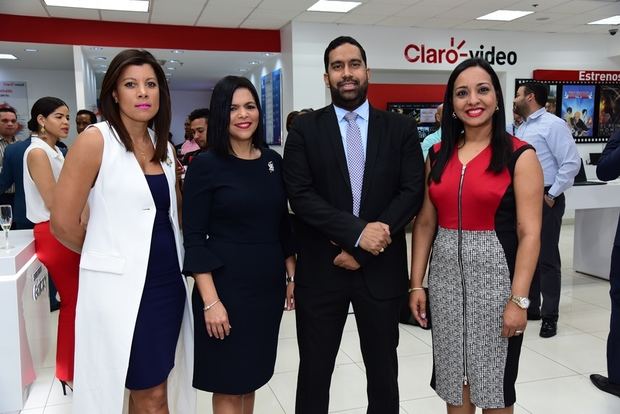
[(65, 385)]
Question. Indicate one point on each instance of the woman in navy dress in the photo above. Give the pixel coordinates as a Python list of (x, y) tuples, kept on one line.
[(238, 248)]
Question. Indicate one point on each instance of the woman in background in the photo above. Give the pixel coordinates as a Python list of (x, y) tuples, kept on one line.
[(482, 216), (133, 300), (43, 161), (238, 248)]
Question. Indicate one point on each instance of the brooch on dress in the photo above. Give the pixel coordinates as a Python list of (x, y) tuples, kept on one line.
[(168, 161), (270, 166)]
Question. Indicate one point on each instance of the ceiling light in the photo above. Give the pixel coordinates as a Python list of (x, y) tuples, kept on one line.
[(255, 62), (504, 15), (100, 58), (96, 48), (7, 56), (609, 20), (334, 6), (176, 51), (171, 68), (31, 50), (242, 70), (102, 66), (123, 5)]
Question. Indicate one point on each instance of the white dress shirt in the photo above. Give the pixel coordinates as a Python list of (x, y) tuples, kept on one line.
[(36, 211)]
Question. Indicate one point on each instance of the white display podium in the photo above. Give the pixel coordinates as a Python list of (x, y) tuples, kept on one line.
[(596, 217), (24, 319)]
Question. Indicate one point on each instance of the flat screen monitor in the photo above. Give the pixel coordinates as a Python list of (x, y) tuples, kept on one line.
[(422, 112)]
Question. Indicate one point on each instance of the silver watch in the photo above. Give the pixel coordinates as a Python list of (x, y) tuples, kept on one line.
[(520, 301)]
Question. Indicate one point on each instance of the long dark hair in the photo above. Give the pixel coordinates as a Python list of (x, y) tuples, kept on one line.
[(218, 135), (452, 128), (111, 111), (43, 106)]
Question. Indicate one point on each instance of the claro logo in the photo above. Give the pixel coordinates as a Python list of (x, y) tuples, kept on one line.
[(415, 53)]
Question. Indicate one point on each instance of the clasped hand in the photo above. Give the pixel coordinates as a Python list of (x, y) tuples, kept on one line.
[(375, 237)]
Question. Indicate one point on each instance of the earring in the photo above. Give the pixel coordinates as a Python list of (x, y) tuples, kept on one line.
[(115, 100), (496, 108), (42, 130), (453, 115)]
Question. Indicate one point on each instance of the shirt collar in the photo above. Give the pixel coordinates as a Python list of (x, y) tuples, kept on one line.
[(362, 111), (537, 114)]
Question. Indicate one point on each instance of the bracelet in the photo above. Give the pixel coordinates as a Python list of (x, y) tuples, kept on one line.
[(206, 308), (414, 289), (290, 279)]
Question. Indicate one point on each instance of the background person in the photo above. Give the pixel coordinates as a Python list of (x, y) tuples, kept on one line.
[(558, 155), (133, 299), (238, 248), (608, 168), (198, 125), (43, 161), (84, 118), (8, 129), (481, 215)]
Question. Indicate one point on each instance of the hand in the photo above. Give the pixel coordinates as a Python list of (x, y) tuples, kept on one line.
[(290, 296), (180, 170), (346, 261), (216, 320), (550, 201), (375, 237), (515, 319), (417, 304)]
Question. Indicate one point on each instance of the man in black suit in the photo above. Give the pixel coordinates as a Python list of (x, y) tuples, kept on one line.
[(608, 168), (354, 177)]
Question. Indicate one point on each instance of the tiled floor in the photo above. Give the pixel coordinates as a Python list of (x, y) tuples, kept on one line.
[(553, 374)]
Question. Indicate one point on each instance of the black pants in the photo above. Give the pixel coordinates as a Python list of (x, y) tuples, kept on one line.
[(320, 317), (613, 341), (547, 277)]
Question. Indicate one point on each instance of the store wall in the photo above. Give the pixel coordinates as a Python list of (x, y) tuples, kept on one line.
[(85, 81), (40, 83)]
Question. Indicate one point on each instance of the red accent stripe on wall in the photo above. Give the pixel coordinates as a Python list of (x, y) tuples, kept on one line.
[(379, 94), (117, 34)]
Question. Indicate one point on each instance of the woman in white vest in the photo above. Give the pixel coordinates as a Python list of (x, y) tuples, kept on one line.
[(43, 161), (133, 300)]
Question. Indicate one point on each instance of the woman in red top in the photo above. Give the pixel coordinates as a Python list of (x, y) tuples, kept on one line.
[(482, 217)]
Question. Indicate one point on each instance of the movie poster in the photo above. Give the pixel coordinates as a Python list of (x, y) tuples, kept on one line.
[(608, 110), (578, 109), (423, 113)]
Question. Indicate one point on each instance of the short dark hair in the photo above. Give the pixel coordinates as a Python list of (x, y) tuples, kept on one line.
[(540, 91), (452, 127), (91, 114), (339, 41), (43, 106), (111, 111), (218, 135), (8, 109), (199, 113)]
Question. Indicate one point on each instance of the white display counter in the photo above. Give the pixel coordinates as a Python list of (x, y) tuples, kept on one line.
[(596, 217), (24, 319)]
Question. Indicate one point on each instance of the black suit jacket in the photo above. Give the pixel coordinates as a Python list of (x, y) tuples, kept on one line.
[(608, 167), (319, 190)]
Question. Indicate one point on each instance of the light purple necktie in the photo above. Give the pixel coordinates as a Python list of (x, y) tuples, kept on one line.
[(355, 159)]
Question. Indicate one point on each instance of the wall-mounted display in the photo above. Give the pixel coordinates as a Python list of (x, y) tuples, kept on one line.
[(422, 112), (608, 109), (578, 109)]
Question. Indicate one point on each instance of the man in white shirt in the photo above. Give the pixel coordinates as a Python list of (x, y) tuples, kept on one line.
[(560, 161), (435, 137)]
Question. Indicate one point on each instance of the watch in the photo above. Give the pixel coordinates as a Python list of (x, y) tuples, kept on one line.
[(550, 197), (520, 301), (290, 279)]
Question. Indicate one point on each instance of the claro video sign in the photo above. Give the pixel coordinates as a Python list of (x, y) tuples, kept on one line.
[(421, 53)]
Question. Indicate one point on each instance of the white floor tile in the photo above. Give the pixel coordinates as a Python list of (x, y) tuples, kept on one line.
[(570, 395), (582, 353), (534, 367)]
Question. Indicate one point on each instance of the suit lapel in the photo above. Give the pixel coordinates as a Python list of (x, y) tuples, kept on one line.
[(335, 139), (375, 127)]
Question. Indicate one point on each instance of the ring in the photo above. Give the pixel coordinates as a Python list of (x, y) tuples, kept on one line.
[(382, 250), (518, 332)]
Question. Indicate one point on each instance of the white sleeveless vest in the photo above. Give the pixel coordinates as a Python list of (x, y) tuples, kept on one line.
[(112, 273)]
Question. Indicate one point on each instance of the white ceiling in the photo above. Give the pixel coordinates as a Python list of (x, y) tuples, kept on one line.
[(201, 69)]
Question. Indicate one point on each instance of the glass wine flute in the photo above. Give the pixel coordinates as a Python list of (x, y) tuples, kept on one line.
[(6, 219)]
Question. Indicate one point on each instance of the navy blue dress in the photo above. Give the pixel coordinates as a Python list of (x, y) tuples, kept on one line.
[(235, 224), (161, 309)]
